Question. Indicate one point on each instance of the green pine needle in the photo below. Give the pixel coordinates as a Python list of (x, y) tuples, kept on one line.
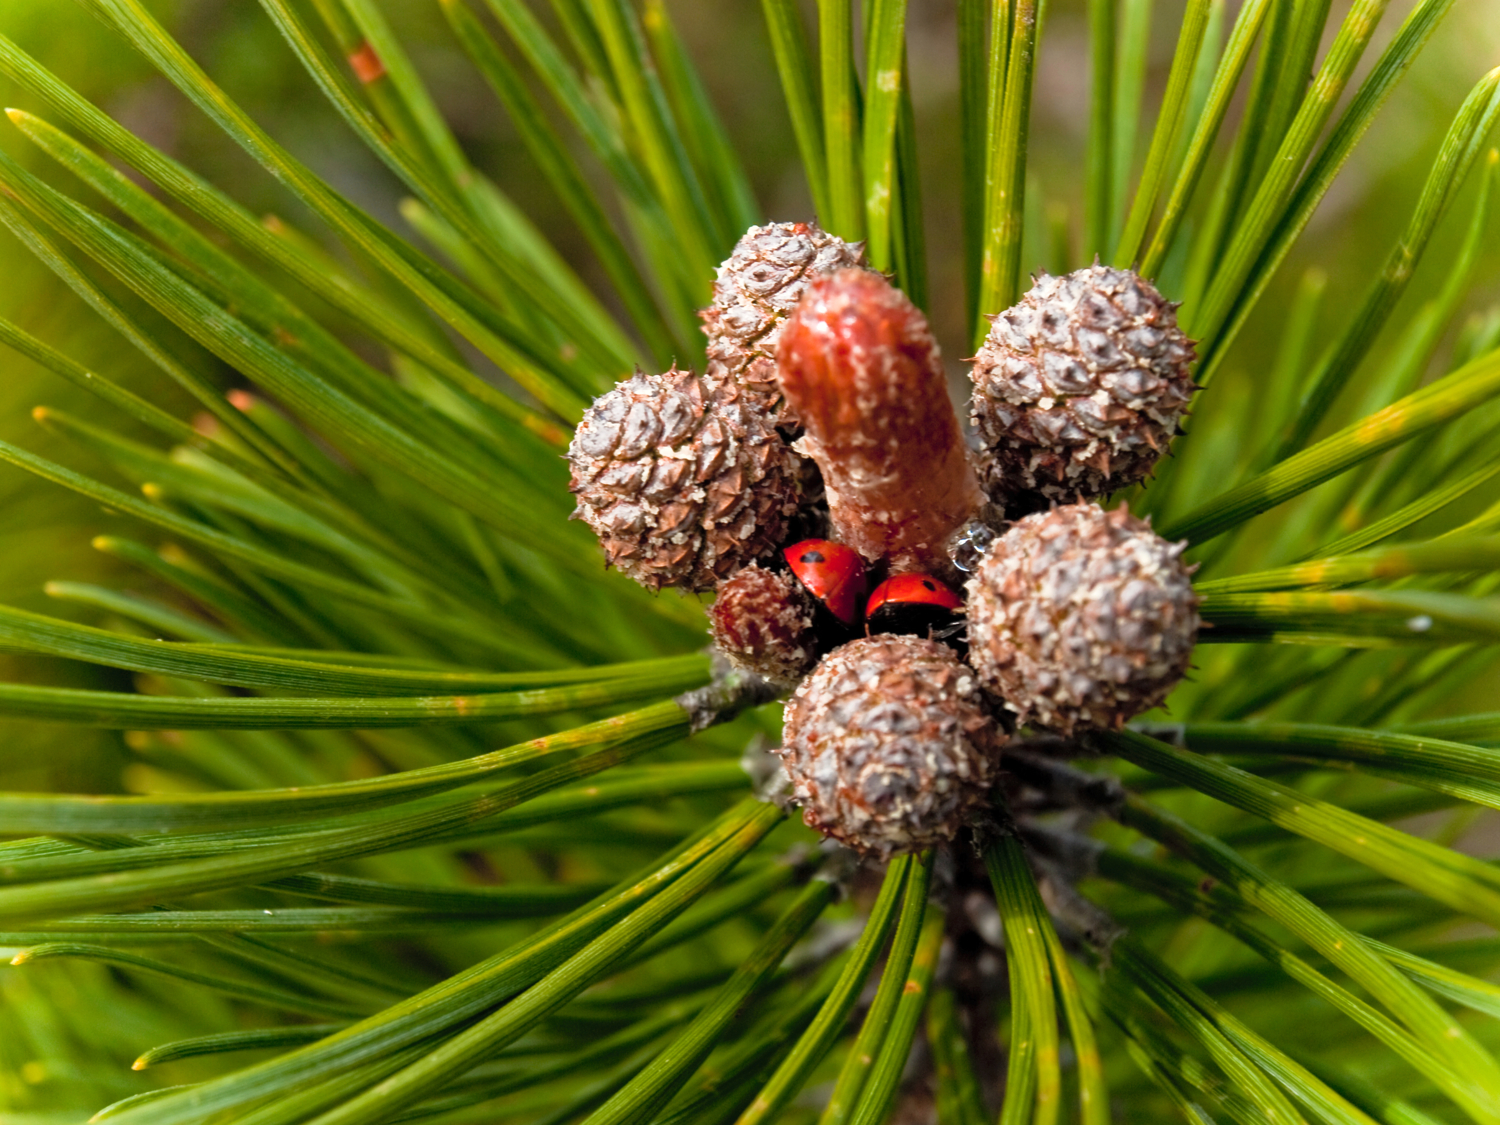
[(354, 788)]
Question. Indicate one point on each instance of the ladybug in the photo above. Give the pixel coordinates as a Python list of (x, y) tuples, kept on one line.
[(833, 573), (917, 604)]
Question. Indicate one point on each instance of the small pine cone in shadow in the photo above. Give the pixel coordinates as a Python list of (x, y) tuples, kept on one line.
[(889, 745), (763, 622), (1081, 618), (1078, 388), (757, 288), (681, 481)]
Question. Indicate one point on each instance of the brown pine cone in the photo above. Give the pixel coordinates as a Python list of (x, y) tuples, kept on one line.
[(682, 482), (762, 621), (757, 288), (888, 745), (1079, 388), (1081, 618)]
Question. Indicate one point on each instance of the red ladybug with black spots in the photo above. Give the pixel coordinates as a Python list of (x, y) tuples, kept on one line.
[(835, 577), (916, 604)]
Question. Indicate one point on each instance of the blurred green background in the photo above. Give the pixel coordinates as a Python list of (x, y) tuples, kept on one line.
[(45, 532)]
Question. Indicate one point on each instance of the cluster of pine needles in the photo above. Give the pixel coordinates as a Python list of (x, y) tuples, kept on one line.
[(347, 576)]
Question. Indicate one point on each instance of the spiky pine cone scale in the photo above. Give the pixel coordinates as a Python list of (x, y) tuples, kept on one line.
[(762, 621), (758, 286), (681, 481), (889, 745), (1081, 618), (1079, 388)]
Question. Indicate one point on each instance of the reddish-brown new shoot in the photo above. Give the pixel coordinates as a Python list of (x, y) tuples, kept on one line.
[(860, 369)]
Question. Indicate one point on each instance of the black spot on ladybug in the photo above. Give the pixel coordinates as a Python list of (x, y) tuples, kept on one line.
[(812, 557), (928, 584)]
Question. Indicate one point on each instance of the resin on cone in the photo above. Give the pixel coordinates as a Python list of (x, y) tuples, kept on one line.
[(757, 288), (1081, 618), (680, 480), (1079, 388), (763, 622), (889, 746), (861, 370)]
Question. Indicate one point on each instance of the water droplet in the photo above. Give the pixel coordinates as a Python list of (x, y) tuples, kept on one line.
[(967, 545)]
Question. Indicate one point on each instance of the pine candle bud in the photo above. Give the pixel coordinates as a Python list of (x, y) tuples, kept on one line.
[(1081, 618), (1078, 388), (763, 622), (682, 483), (757, 288), (888, 745), (861, 370)]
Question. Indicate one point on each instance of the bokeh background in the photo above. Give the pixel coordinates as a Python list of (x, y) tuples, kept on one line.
[(45, 532)]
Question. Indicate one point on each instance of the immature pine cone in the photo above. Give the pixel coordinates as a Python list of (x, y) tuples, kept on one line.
[(762, 621), (888, 745), (1078, 389), (757, 287), (1081, 618), (681, 481)]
